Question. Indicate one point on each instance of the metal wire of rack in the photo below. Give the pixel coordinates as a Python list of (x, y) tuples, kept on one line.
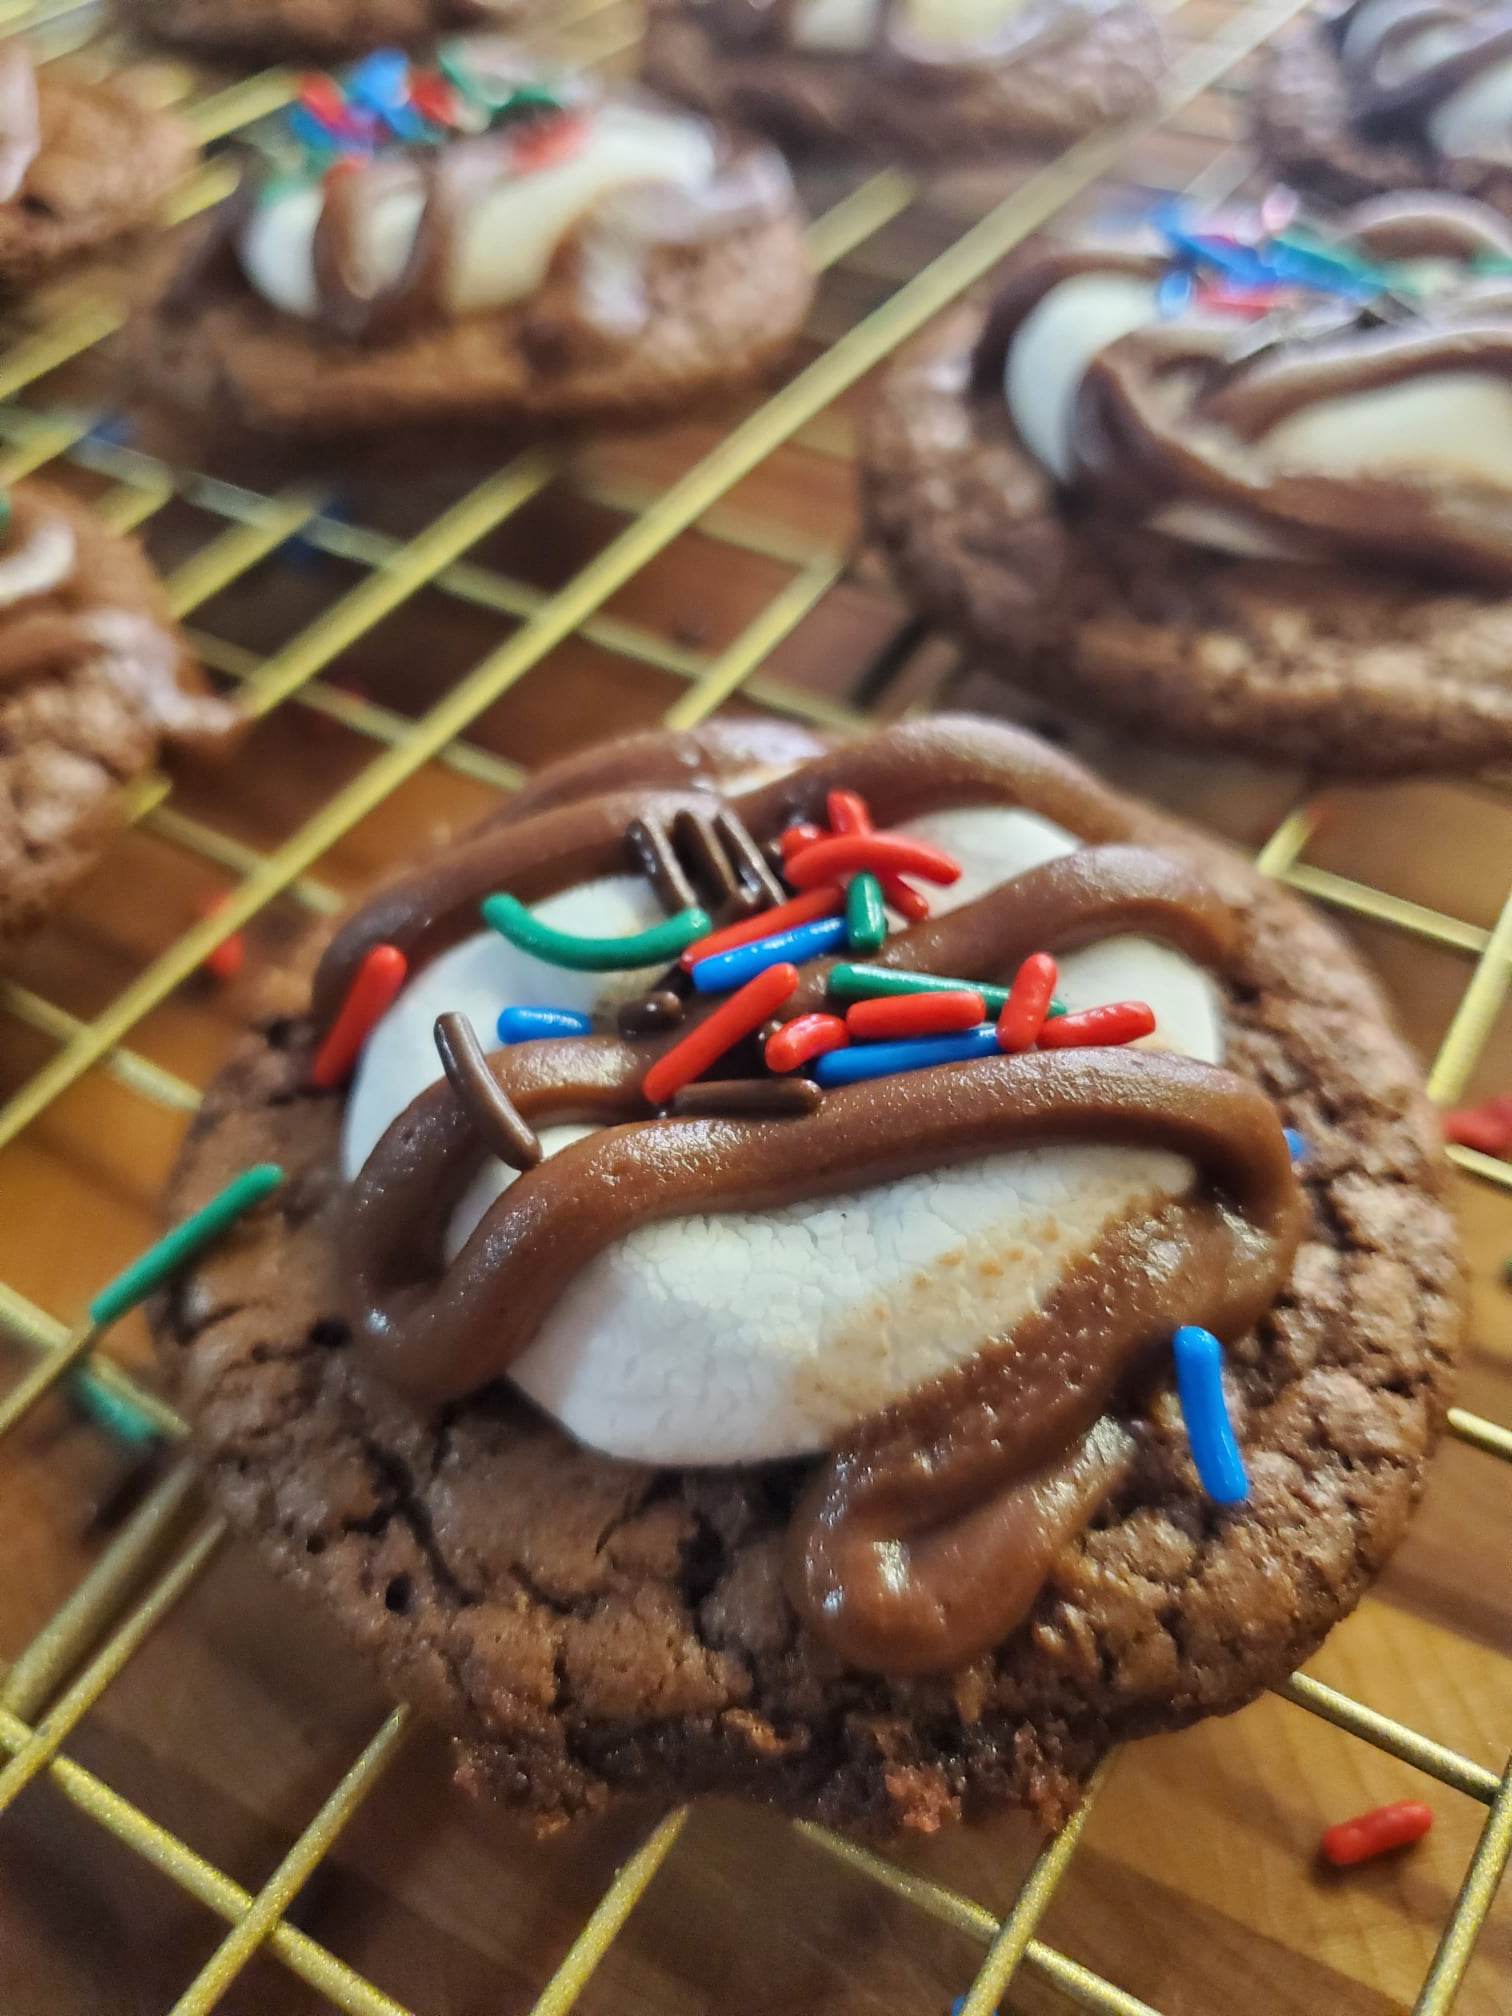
[(62, 1672)]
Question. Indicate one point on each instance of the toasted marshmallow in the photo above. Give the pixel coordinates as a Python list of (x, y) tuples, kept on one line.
[(752, 1335)]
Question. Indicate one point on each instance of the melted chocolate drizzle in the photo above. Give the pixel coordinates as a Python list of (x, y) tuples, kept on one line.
[(1178, 412), (928, 1534)]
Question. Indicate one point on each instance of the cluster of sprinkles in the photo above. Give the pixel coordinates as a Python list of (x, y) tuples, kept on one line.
[(388, 101), (817, 892), (1252, 262)]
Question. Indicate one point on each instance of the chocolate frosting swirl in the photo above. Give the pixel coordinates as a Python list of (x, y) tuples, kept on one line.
[(1179, 412), (928, 1534)]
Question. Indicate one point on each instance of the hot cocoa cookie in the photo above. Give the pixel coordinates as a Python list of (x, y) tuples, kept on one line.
[(812, 1434), (271, 30), (81, 163), (1248, 497), (95, 681), (535, 251), (1373, 96), (930, 79)]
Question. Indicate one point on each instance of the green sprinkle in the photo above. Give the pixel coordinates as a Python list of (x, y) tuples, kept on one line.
[(1507, 1270), (113, 1412), (1057, 1007), (866, 983), (865, 919), (512, 920), (5, 512), (136, 1282)]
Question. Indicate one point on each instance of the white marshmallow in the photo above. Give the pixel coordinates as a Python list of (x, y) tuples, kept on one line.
[(756, 1335), (1051, 351)]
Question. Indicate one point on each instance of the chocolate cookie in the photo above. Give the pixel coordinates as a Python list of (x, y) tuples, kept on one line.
[(271, 30), (81, 163), (1369, 98), (94, 682), (1258, 504), (561, 255), (826, 1452), (888, 79)]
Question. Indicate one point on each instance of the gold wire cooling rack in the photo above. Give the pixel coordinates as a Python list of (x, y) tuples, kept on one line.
[(545, 579)]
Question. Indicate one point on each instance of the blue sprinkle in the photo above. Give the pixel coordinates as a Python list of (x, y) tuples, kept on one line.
[(1174, 292), (312, 132), (723, 970), (1239, 262), (405, 123), (300, 551), (960, 2003), (380, 81), (1199, 1383), (886, 1060), (1297, 1143), (528, 1025)]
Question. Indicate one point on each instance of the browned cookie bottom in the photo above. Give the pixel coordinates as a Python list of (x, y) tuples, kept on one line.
[(1299, 112), (1041, 98), (586, 1629), (105, 164), (325, 29), (719, 315), (77, 727), (1344, 670)]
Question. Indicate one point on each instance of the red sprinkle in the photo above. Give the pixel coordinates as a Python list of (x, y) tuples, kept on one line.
[(1028, 1003), (229, 957), (901, 1015), (826, 902), (882, 853), (1487, 1128), (433, 98), (548, 141), (849, 813), (369, 998), (743, 1013), (1375, 1833), (323, 98), (1116, 1022), (793, 839), (804, 1038)]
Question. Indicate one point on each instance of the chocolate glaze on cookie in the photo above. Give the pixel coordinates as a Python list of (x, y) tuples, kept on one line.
[(930, 1534)]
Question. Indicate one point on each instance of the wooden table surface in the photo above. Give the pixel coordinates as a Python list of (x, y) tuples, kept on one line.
[(1195, 1885)]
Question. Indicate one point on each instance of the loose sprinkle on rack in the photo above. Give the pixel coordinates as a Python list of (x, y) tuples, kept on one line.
[(1375, 1833), (152, 1269)]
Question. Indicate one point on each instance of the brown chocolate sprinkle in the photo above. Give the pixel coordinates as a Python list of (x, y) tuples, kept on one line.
[(487, 1105), (702, 848), (748, 1098), (652, 846), (749, 860), (649, 1014)]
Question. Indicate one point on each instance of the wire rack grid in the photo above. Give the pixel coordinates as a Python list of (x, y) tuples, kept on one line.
[(149, 1563)]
